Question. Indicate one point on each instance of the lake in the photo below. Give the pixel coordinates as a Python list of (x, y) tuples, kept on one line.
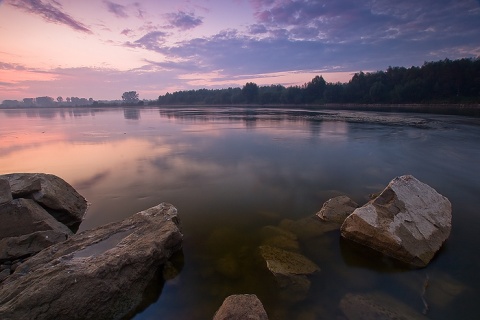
[(232, 172)]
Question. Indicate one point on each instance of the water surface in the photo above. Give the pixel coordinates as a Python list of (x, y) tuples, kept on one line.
[(232, 171)]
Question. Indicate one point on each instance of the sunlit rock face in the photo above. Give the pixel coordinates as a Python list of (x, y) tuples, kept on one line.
[(97, 274), (408, 221)]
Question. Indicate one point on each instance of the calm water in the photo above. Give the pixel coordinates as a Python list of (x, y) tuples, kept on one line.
[(231, 172)]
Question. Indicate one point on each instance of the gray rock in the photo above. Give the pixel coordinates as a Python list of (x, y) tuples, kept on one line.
[(54, 194), (27, 245), (5, 191), (240, 307), (4, 274), (337, 209), (375, 306), (96, 274), (24, 216), (27, 228), (408, 221)]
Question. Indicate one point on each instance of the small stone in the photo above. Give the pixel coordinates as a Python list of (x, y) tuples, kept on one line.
[(337, 209), (241, 307), (284, 262)]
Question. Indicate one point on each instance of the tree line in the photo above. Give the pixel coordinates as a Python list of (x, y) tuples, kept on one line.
[(440, 82)]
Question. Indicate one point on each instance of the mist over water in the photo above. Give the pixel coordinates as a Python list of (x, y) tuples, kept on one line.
[(231, 172)]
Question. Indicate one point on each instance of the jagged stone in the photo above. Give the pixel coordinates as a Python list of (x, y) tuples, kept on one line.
[(55, 195), (240, 307), (337, 209), (96, 274), (408, 221), (27, 228)]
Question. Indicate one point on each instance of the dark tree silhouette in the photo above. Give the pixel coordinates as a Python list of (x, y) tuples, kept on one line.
[(445, 81), (250, 91), (130, 97)]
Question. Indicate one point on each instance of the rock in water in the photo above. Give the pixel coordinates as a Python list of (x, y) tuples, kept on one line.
[(337, 209), (240, 307), (290, 270), (373, 306), (96, 274), (408, 221), (55, 195)]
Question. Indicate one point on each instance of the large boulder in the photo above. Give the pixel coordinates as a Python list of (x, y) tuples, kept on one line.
[(55, 195), (240, 307), (408, 221), (337, 209), (96, 274), (26, 229), (5, 191)]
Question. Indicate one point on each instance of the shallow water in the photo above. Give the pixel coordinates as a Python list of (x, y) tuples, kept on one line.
[(232, 171)]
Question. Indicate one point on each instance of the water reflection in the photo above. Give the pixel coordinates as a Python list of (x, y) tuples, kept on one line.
[(232, 171), (131, 113)]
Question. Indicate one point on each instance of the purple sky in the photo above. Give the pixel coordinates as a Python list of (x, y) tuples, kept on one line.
[(100, 48)]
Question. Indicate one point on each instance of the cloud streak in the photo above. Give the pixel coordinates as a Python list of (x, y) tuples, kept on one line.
[(117, 9), (50, 11)]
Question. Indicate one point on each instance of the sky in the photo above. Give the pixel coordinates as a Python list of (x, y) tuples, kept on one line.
[(100, 48)]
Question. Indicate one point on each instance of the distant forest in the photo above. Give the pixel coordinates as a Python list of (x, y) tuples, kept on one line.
[(440, 82)]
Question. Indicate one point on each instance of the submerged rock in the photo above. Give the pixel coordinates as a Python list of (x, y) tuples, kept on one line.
[(408, 221), (240, 307), (279, 238), (96, 274), (309, 227), (337, 209), (373, 306), (290, 270), (55, 195), (283, 262)]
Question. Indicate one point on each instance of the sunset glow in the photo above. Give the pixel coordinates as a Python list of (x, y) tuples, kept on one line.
[(101, 48)]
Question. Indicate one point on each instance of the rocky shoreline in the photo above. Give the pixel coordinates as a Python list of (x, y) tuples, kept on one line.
[(45, 265)]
